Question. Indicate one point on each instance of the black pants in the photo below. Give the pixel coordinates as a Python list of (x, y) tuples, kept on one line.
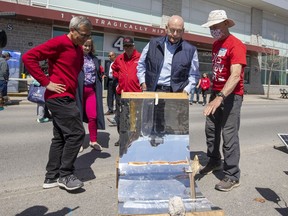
[(204, 95), (117, 113), (111, 93), (69, 134), (225, 120)]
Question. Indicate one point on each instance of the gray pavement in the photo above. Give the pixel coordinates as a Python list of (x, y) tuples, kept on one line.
[(25, 144)]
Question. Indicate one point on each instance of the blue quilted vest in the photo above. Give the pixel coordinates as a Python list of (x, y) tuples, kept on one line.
[(180, 67)]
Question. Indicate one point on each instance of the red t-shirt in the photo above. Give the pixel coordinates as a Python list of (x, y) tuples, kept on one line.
[(65, 61), (124, 69), (224, 54)]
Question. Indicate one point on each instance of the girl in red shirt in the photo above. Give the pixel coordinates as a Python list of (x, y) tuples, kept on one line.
[(204, 84)]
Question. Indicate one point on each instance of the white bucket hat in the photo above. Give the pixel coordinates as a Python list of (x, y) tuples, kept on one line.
[(217, 16)]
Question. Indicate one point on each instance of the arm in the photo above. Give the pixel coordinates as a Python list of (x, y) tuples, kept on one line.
[(141, 68), (115, 68), (31, 61), (4, 70), (199, 83), (193, 73), (228, 88)]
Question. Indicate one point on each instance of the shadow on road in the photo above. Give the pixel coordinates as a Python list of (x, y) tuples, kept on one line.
[(203, 159), (281, 148), (84, 161), (41, 211), (271, 196)]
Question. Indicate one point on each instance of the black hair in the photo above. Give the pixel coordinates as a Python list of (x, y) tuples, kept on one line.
[(3, 38)]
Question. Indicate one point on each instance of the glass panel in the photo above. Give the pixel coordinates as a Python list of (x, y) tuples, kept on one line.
[(247, 75), (283, 78), (140, 43), (247, 70), (205, 56), (263, 77), (275, 78)]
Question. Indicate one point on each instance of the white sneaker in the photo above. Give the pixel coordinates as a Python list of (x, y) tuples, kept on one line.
[(43, 120), (112, 121)]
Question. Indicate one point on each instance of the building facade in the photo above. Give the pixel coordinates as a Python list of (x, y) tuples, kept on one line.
[(261, 25)]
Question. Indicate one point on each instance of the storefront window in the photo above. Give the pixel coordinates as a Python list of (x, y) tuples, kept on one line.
[(278, 67), (98, 39), (247, 70), (205, 62), (140, 44)]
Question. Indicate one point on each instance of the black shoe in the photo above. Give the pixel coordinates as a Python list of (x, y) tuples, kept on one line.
[(108, 113), (226, 184), (117, 143), (50, 183), (210, 167), (70, 182)]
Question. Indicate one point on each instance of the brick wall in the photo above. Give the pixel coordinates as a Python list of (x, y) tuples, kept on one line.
[(24, 35)]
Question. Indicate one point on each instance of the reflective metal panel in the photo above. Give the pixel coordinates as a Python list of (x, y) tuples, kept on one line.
[(154, 155)]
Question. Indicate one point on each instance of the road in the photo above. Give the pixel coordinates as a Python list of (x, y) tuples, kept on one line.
[(25, 143)]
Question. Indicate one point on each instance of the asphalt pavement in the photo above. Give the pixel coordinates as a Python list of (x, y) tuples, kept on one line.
[(25, 143)]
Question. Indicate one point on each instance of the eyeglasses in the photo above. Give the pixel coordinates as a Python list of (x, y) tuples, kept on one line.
[(172, 31), (83, 35)]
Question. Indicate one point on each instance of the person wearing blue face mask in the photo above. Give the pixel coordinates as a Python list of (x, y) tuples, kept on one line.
[(223, 110)]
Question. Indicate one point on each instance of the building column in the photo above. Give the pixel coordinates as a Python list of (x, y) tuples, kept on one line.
[(255, 86)]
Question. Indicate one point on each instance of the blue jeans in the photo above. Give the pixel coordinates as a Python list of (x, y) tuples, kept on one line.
[(3, 87), (194, 90)]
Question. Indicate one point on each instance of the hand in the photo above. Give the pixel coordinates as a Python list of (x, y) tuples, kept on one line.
[(58, 88), (184, 91), (212, 106), (143, 86)]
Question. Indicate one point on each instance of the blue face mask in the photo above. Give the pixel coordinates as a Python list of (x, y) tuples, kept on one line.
[(217, 33)]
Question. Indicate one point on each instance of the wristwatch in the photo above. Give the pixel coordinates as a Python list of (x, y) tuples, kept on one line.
[(220, 94)]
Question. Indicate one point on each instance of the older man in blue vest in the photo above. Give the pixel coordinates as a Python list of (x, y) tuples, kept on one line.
[(168, 64)]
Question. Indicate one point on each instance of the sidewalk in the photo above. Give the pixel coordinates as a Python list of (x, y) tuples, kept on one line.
[(21, 98)]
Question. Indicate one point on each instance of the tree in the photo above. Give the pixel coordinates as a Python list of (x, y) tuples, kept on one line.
[(273, 61)]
